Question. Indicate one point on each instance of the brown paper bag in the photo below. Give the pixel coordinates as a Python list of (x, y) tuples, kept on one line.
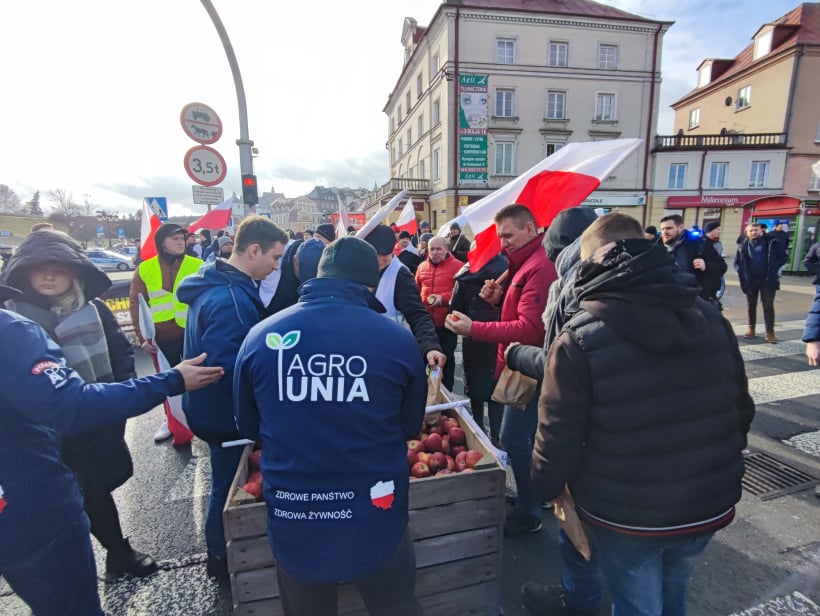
[(564, 511), (434, 395), (514, 388)]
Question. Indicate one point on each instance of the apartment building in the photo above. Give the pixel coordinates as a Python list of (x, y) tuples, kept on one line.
[(491, 87)]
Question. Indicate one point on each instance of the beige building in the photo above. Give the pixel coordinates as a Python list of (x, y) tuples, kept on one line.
[(770, 90), (492, 87)]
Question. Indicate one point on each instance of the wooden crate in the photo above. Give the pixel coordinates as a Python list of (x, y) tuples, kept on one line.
[(457, 526)]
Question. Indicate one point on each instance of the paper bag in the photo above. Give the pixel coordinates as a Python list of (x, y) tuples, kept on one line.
[(514, 388), (434, 395), (568, 520)]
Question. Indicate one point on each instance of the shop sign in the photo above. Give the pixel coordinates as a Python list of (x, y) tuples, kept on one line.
[(603, 200), (712, 200), (473, 117)]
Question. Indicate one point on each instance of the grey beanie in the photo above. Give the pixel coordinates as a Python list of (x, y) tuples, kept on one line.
[(352, 259), (224, 240)]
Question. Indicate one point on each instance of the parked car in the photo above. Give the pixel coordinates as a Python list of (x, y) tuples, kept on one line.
[(110, 260), (128, 251)]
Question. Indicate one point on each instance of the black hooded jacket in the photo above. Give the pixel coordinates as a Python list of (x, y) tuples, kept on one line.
[(645, 405)]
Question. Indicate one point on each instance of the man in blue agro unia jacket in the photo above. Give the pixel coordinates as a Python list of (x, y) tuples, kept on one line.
[(333, 390), (223, 305)]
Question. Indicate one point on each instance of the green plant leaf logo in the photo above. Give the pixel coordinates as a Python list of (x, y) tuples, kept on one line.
[(278, 342), (291, 339), (274, 341)]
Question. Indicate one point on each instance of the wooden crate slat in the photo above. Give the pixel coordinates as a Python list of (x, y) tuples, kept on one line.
[(457, 517), (455, 546), (435, 491), (254, 585), (249, 554), (264, 607)]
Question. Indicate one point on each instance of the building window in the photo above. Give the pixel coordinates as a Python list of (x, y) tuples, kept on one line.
[(393, 157), (605, 107), (398, 114), (436, 165), (409, 137), (422, 170), (411, 172), (744, 97), (504, 159), (763, 45), (436, 120), (418, 86), (504, 103), (421, 125), (401, 148), (717, 175), (694, 118), (553, 147), (817, 134), (434, 66), (608, 57), (392, 125), (705, 75), (557, 53), (677, 175), (757, 178), (556, 105), (505, 51), (407, 102)]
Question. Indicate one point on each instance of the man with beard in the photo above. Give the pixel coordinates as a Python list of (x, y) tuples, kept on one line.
[(157, 280), (693, 255)]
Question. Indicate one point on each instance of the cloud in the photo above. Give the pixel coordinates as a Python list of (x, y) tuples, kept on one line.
[(351, 172)]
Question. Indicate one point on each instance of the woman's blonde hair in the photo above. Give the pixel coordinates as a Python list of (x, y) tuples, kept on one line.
[(71, 300)]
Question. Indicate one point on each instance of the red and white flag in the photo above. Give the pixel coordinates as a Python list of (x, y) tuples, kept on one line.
[(379, 216), (407, 218), (217, 218), (344, 221), (558, 182), (382, 494), (149, 225)]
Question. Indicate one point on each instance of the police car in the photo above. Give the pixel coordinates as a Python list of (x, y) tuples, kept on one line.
[(109, 260)]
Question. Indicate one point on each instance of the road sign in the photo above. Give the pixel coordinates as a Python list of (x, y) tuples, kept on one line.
[(100, 231), (200, 123), (120, 232), (158, 205), (208, 195), (204, 165)]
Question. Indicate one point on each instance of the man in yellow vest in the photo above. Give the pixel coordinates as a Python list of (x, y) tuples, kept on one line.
[(157, 279)]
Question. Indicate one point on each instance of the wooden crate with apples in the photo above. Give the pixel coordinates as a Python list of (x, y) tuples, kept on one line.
[(457, 525)]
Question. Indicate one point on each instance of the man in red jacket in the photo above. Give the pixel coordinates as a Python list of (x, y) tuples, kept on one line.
[(531, 275), (435, 278)]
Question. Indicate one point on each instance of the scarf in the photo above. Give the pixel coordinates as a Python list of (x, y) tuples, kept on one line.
[(79, 333)]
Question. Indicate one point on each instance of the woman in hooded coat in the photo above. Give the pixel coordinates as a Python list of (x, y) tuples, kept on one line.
[(60, 286)]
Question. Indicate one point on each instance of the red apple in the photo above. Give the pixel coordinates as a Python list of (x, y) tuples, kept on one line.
[(445, 445), (424, 457), (461, 461), (457, 436), (473, 457), (415, 445), (457, 449), (254, 460), (420, 470), (255, 477), (451, 463), (254, 489), (412, 457), (433, 442), (438, 461), (449, 423), (444, 471)]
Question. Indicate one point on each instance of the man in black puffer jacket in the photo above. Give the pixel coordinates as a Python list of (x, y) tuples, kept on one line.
[(644, 412)]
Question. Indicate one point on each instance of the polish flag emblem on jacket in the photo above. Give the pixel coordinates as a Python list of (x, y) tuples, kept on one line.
[(2, 500), (381, 494)]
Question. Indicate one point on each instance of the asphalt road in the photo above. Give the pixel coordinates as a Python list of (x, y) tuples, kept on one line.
[(770, 555)]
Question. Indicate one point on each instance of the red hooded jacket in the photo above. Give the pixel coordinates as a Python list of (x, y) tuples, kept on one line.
[(438, 279)]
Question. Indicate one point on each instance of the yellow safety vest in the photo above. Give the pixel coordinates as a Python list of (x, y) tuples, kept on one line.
[(164, 305)]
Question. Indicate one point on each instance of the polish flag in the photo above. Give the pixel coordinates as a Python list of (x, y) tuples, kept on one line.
[(149, 225), (217, 218), (558, 182), (2, 500), (380, 215), (381, 494), (344, 221), (407, 218)]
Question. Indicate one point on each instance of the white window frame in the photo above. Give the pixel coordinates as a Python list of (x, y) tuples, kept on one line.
[(558, 95), (551, 147), (408, 100), (434, 66), (436, 113), (398, 115), (401, 148), (600, 107), (419, 85), (606, 60), (718, 174), (744, 98), (694, 117), (757, 173), (392, 125), (555, 51), (409, 138), (507, 107), (677, 176), (705, 75), (505, 50), (420, 123), (763, 45), (422, 170), (505, 164), (436, 165)]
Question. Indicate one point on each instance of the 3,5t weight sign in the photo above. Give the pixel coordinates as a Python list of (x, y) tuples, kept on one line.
[(205, 166)]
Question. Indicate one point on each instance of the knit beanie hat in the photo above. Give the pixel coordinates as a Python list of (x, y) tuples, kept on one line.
[(566, 228), (711, 226), (308, 255), (327, 231), (224, 240), (426, 237), (382, 239), (423, 224), (352, 259), (167, 229)]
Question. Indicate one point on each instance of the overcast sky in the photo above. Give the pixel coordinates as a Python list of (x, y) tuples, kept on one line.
[(92, 89)]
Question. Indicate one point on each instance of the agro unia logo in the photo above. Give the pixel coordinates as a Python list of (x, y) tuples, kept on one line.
[(319, 377)]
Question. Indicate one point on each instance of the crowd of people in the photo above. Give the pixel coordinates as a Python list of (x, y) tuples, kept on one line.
[(317, 348)]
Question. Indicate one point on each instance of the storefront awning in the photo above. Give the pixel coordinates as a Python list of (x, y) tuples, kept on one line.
[(777, 205)]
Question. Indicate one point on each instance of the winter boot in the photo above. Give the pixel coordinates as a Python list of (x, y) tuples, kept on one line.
[(770, 337), (124, 560), (750, 332), (217, 567)]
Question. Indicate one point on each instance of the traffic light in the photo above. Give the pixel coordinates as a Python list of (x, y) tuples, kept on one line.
[(249, 193)]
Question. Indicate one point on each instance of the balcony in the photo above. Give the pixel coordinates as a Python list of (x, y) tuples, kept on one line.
[(726, 141)]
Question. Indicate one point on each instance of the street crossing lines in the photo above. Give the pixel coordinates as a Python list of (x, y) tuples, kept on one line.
[(765, 351), (194, 480), (779, 328)]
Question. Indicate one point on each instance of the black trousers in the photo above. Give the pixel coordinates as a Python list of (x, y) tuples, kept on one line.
[(448, 341), (104, 518), (390, 591), (171, 348), (767, 299)]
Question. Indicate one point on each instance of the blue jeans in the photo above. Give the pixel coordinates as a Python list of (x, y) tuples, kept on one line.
[(581, 579), (224, 462), (647, 576), (60, 579), (517, 439)]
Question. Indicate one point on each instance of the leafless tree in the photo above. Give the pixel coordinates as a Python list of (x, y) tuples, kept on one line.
[(9, 201), (62, 202), (87, 208)]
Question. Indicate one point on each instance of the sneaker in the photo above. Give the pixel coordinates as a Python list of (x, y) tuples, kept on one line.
[(217, 567), (518, 522), (164, 433), (125, 560), (546, 600), (750, 332), (771, 338)]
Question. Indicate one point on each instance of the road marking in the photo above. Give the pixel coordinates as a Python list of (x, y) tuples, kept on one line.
[(784, 386), (765, 351), (785, 326), (807, 442), (787, 605), (807, 289), (194, 481)]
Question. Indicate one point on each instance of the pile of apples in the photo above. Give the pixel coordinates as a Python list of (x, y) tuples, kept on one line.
[(441, 449), (253, 486)]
